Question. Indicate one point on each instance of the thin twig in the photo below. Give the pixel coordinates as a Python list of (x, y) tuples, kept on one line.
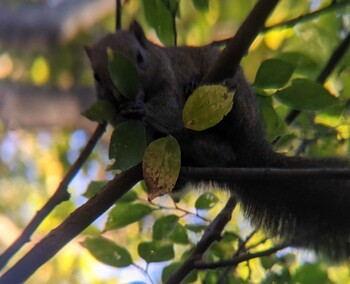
[(78, 221), (61, 194), (211, 234), (287, 24), (241, 248), (118, 15), (238, 259), (326, 71), (308, 17)]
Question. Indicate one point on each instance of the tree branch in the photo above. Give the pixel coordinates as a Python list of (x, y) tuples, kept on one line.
[(79, 220), (230, 58), (118, 15), (61, 194), (249, 174), (326, 71), (236, 260), (240, 250), (308, 17), (211, 234)]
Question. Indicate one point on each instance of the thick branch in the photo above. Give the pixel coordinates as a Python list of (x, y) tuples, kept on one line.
[(45, 25), (249, 174), (238, 46), (211, 234), (26, 106), (61, 194), (79, 220)]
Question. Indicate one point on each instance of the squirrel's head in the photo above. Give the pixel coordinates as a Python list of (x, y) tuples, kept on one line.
[(131, 43)]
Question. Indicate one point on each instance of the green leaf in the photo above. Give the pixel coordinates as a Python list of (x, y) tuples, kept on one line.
[(128, 197), (108, 252), (311, 273), (128, 144), (100, 111), (206, 201), (168, 270), (123, 73), (124, 214), (164, 226), (179, 235), (268, 261), (156, 251), (305, 94), (172, 5), (273, 124), (206, 107), (161, 166), (93, 188), (273, 74), (201, 5), (158, 16)]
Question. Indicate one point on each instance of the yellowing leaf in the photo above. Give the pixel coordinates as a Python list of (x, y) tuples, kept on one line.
[(161, 166), (207, 106)]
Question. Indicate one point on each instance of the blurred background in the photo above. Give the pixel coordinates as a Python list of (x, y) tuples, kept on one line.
[(46, 83)]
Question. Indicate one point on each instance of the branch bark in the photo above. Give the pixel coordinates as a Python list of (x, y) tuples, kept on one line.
[(79, 220), (238, 46), (211, 234), (259, 174)]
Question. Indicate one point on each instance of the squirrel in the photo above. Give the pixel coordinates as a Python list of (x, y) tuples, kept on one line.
[(302, 212)]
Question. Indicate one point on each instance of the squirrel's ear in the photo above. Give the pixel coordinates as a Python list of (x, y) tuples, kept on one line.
[(137, 30), (87, 51)]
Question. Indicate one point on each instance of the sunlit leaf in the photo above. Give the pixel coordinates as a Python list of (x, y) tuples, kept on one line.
[(128, 144), (159, 17), (161, 166), (156, 251), (100, 111), (305, 94), (124, 214), (123, 73), (93, 188), (207, 106), (273, 74), (206, 201), (108, 252)]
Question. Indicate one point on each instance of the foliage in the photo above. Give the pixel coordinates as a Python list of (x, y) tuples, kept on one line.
[(158, 236)]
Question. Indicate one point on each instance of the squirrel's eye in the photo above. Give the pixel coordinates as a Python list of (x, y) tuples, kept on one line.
[(97, 78), (139, 58)]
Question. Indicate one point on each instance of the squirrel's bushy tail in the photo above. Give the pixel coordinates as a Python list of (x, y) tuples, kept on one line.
[(304, 212)]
